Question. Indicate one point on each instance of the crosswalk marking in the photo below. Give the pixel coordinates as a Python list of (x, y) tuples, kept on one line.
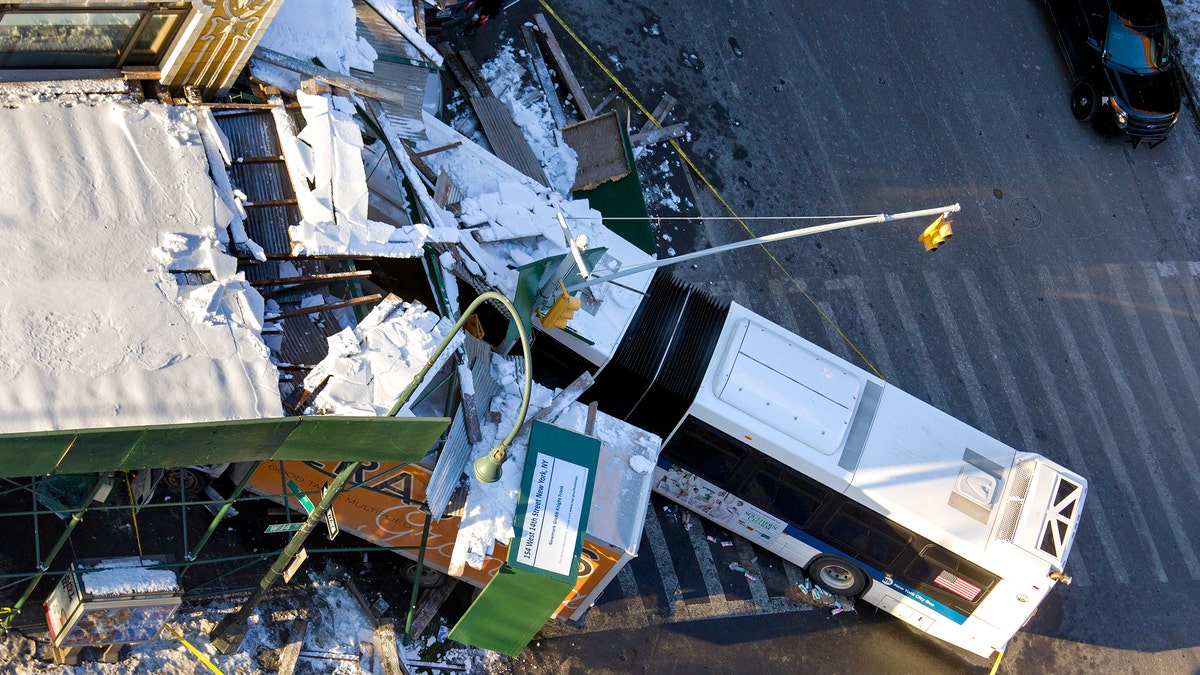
[(1095, 509), (1153, 375), (913, 337), (1095, 410), (1154, 275), (958, 350), (662, 558), (876, 348)]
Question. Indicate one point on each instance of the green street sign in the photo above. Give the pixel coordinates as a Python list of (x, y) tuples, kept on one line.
[(284, 527), (304, 500)]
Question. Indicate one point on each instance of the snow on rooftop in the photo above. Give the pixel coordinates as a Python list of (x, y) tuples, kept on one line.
[(321, 29), (106, 198)]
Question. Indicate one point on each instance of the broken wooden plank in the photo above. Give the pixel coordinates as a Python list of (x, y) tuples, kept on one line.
[(476, 74), (440, 148), (609, 98), (564, 68), (362, 602), (329, 306), (420, 164), (291, 652), (660, 113), (430, 603), (456, 67), (559, 403), (543, 76), (327, 76), (310, 278), (657, 135), (385, 640)]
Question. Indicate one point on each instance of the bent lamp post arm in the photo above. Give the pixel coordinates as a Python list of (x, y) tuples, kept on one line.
[(227, 635), (767, 239)]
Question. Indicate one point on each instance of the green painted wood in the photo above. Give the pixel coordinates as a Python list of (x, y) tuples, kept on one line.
[(623, 198), (350, 439), (512, 608), (384, 439)]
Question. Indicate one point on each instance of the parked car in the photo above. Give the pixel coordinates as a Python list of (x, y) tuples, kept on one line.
[(1122, 57), (463, 14)]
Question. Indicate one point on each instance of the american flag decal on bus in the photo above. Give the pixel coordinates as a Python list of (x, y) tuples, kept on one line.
[(957, 585)]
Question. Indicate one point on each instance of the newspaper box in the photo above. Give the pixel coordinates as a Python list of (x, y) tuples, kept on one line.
[(110, 603)]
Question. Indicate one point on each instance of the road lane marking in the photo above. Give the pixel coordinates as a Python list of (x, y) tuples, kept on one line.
[(1087, 389), (1163, 401), (958, 351), (908, 319)]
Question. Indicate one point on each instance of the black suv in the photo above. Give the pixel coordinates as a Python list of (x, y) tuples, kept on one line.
[(1122, 57)]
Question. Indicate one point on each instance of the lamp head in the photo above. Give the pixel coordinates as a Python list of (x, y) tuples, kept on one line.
[(487, 467)]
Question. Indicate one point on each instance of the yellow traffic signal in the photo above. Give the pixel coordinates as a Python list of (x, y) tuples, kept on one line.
[(562, 310), (936, 233)]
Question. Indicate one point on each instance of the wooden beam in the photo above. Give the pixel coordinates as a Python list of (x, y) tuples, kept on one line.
[(327, 76), (543, 76), (420, 163), (656, 135), (477, 77), (310, 278), (459, 69), (612, 95), (440, 148), (564, 68), (660, 112), (326, 307)]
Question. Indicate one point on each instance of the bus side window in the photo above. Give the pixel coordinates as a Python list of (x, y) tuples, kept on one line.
[(703, 453), (868, 534), (782, 492)]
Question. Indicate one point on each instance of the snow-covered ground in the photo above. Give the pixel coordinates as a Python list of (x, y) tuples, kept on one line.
[(1184, 19)]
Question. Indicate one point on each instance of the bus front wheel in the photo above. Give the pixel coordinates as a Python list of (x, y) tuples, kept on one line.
[(838, 576)]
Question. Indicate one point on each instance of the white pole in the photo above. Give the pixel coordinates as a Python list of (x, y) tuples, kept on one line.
[(791, 234)]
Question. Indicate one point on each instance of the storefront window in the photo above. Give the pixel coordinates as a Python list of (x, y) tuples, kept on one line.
[(82, 38)]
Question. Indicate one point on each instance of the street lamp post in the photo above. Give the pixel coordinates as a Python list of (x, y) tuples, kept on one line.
[(228, 634), (767, 239)]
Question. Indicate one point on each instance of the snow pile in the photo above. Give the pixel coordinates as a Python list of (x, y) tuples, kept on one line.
[(339, 640), (369, 366), (111, 199), (320, 29), (328, 155), (532, 116)]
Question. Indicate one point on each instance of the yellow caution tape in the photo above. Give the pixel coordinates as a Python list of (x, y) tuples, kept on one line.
[(996, 665), (711, 188), (195, 652)]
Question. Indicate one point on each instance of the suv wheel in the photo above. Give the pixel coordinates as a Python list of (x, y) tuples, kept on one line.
[(1084, 101)]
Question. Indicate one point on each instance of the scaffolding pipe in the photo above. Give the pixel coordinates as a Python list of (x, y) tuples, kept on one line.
[(44, 564)]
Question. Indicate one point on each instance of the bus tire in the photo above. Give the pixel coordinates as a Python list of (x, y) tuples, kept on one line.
[(837, 575), (430, 578)]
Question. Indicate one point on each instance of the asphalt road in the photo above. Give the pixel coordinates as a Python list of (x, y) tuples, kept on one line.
[(1061, 318)]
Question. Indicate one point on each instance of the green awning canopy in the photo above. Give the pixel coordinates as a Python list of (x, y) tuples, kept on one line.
[(383, 439)]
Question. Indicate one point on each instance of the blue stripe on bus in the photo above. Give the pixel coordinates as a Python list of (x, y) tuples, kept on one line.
[(904, 589), (925, 601)]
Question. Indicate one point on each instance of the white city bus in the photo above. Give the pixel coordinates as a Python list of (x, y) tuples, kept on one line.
[(875, 493)]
